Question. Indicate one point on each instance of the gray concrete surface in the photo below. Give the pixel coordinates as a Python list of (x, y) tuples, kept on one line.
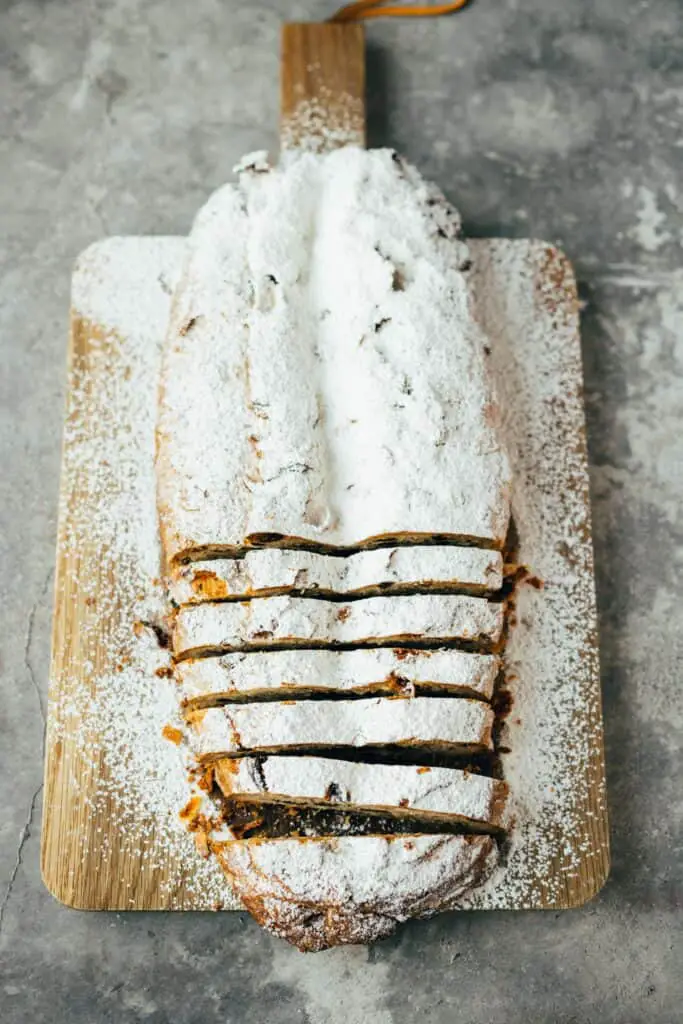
[(539, 117)]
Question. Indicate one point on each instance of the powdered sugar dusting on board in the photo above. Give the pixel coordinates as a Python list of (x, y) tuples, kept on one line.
[(111, 697), (323, 123), (526, 299), (132, 779)]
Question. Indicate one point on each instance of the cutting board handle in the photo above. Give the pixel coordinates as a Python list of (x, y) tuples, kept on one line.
[(323, 86)]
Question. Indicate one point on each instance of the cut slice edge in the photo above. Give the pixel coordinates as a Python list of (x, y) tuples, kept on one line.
[(209, 552), (438, 724), (424, 795), (265, 572), (478, 761), (285, 622), (411, 641), (360, 672), (473, 757), (251, 816), (388, 688)]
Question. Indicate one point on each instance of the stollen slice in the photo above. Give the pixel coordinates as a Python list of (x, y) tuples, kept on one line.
[(213, 628), (434, 724), (323, 892), (324, 379), (267, 571), (433, 794), (274, 675)]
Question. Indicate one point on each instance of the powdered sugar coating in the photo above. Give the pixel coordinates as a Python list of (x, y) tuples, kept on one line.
[(442, 791), (241, 673), (320, 892), (114, 718), (272, 620), (458, 726), (324, 377), (266, 569), (367, 870)]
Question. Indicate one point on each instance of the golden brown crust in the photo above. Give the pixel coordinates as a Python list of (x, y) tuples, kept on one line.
[(312, 930)]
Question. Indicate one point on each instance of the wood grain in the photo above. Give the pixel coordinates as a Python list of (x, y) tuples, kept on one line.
[(75, 865), (100, 853), (87, 860), (322, 86)]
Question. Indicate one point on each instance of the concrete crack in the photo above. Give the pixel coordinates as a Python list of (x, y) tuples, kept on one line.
[(96, 210), (27, 650), (23, 839)]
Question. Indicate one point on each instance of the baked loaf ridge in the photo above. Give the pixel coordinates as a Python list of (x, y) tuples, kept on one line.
[(324, 379), (333, 502)]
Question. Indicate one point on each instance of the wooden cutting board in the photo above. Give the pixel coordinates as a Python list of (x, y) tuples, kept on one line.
[(113, 784)]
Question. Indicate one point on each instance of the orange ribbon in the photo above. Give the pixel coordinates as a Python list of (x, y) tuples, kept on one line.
[(377, 9)]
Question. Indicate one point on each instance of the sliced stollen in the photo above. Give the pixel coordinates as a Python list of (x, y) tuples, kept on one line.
[(324, 377), (273, 675), (436, 794), (265, 571), (324, 892), (437, 724), (389, 621)]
